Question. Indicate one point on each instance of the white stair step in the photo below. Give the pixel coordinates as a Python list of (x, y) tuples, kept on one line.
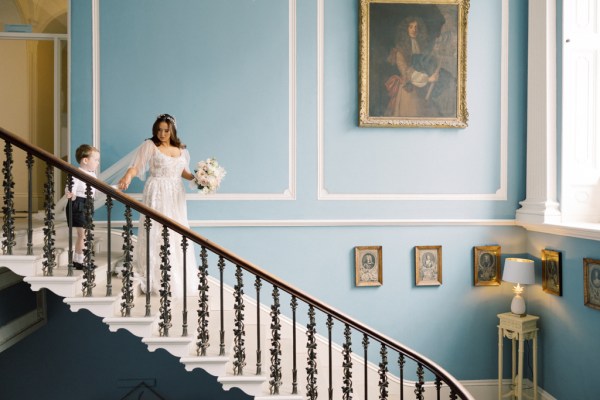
[(22, 264), (139, 326), (214, 365), (100, 306), (250, 384), (178, 346), (65, 286)]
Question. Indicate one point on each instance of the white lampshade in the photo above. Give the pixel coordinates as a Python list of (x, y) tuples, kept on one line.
[(519, 270)]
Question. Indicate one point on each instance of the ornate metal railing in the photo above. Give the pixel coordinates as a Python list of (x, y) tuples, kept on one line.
[(351, 377)]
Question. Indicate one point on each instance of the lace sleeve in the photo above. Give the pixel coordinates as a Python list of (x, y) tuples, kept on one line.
[(186, 156), (142, 157)]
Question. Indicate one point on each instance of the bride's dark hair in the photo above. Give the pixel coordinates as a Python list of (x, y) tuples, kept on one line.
[(170, 120)]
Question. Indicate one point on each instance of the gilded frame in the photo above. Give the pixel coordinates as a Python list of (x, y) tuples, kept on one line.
[(591, 283), (486, 265), (552, 272), (368, 265), (387, 98), (428, 265)]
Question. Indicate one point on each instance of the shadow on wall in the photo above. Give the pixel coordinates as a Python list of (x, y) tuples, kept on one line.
[(75, 356)]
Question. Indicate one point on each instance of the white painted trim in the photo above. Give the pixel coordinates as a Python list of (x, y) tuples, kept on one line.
[(96, 74), (232, 223), (33, 36), (499, 195), (287, 194)]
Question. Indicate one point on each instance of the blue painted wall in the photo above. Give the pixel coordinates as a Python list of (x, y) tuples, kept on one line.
[(222, 68)]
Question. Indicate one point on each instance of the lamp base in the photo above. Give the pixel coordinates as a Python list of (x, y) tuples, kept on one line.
[(517, 306)]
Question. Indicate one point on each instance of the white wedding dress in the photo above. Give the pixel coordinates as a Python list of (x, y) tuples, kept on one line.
[(163, 192)]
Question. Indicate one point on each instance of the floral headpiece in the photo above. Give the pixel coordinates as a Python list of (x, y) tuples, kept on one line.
[(167, 117)]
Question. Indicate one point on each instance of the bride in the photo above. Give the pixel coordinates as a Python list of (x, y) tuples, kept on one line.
[(166, 160)]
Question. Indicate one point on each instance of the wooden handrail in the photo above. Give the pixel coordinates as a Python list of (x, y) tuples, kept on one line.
[(235, 259)]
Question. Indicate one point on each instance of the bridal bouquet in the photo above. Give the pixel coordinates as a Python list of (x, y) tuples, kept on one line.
[(208, 175)]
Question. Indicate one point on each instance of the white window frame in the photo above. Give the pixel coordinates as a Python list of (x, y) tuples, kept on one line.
[(577, 215)]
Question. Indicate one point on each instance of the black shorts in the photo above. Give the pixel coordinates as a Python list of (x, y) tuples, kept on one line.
[(78, 206)]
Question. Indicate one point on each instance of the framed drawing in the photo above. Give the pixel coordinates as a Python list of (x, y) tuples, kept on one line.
[(486, 265), (428, 265), (552, 272), (591, 283), (413, 63), (368, 265)]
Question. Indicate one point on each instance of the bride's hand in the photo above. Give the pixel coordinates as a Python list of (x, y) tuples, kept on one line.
[(124, 183)]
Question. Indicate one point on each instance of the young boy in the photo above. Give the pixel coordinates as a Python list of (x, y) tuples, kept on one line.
[(88, 158)]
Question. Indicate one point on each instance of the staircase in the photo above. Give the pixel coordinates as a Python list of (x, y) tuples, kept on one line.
[(261, 349)]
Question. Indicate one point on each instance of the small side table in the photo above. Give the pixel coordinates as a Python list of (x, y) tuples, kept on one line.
[(518, 329)]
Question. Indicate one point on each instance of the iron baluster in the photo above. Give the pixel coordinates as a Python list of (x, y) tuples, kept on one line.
[(275, 381), (29, 162), (221, 266), (147, 227), (203, 311), (401, 362), (70, 217), (89, 275), (438, 386), (330, 355), (49, 249), (311, 346), (109, 204), (419, 389), (239, 352), (347, 364), (8, 226), (383, 370), (453, 395), (127, 272), (365, 343), (258, 285), (294, 305), (165, 285), (184, 246)]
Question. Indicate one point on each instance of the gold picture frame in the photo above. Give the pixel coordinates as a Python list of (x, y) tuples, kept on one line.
[(413, 63), (428, 265), (368, 265), (552, 272), (486, 265), (591, 283)]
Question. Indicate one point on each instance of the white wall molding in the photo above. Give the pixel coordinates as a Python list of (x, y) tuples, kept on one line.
[(288, 193), (334, 222), (499, 195)]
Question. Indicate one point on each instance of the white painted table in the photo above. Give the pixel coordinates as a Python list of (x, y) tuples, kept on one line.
[(517, 329)]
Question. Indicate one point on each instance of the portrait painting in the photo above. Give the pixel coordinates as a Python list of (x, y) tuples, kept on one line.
[(413, 63), (591, 283), (428, 265), (552, 272), (368, 265), (486, 265)]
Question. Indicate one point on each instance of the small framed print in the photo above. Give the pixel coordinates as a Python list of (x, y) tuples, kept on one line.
[(368, 265), (486, 265), (428, 265), (552, 272), (591, 283)]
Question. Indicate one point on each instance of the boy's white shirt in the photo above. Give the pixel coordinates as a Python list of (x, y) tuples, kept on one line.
[(79, 185)]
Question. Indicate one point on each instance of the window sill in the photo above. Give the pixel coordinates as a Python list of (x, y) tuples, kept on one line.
[(581, 230)]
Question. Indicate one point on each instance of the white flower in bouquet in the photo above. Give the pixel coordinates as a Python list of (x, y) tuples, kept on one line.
[(208, 175)]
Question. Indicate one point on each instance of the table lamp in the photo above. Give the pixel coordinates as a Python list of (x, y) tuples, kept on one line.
[(522, 272)]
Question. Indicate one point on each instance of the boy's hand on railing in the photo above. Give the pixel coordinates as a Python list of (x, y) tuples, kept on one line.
[(69, 195)]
